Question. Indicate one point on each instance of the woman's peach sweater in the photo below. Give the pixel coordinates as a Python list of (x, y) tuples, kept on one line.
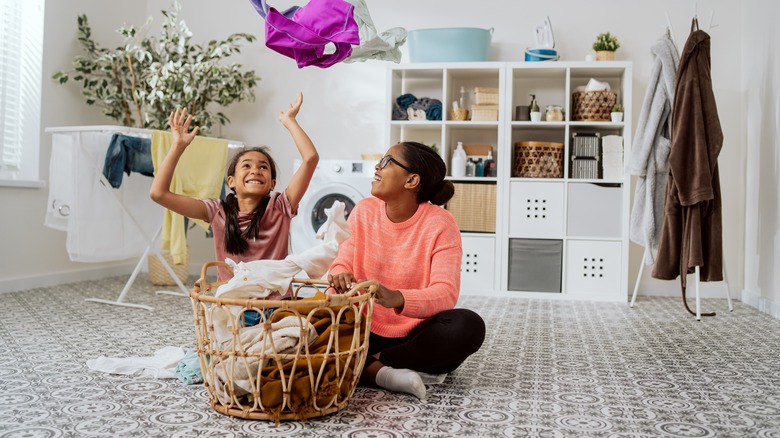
[(421, 257)]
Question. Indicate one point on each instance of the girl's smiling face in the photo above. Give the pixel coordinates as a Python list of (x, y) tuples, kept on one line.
[(252, 176), (389, 180)]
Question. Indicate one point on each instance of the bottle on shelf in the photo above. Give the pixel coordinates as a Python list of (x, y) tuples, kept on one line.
[(490, 165), (479, 168), (536, 113), (458, 164), (471, 167)]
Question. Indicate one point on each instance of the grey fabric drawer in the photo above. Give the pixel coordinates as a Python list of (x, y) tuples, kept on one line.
[(535, 265)]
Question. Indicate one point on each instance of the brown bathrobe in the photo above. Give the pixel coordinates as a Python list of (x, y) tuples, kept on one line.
[(692, 230)]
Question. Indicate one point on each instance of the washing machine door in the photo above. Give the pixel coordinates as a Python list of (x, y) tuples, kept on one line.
[(311, 213)]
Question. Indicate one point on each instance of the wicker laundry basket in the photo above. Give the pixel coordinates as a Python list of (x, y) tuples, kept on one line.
[(592, 106), (254, 372), (159, 276), (538, 159)]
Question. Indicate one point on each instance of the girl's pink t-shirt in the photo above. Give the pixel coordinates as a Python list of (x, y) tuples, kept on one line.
[(272, 242)]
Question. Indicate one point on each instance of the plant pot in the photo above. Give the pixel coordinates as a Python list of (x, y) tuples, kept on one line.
[(616, 117), (605, 55), (536, 116)]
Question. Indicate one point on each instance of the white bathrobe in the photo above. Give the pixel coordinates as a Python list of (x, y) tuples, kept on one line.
[(650, 152)]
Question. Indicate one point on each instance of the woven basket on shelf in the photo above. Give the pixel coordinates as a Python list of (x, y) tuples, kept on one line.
[(159, 276), (538, 159), (474, 207), (593, 106), (310, 365)]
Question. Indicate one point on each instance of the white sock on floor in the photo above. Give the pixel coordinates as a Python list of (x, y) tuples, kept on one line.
[(401, 380)]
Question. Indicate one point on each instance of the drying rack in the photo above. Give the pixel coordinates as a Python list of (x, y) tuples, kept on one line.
[(151, 247)]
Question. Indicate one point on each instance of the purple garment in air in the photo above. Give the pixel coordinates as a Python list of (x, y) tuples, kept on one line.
[(301, 33)]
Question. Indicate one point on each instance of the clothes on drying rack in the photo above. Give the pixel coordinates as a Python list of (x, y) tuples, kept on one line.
[(99, 230), (127, 154), (199, 174)]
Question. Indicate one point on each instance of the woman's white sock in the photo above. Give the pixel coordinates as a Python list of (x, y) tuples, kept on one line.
[(401, 380)]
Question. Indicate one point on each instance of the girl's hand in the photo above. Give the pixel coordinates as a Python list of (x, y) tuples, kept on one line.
[(180, 126), (288, 117), (392, 299), (342, 282)]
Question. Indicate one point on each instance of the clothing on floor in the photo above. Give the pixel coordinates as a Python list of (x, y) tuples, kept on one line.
[(273, 236), (161, 365), (650, 151), (692, 230), (321, 33), (127, 153), (200, 174), (188, 369)]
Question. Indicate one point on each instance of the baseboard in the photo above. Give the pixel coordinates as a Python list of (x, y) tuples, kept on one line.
[(63, 277), (764, 305)]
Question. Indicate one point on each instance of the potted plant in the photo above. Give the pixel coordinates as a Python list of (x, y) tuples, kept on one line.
[(605, 46), (617, 113), (141, 82)]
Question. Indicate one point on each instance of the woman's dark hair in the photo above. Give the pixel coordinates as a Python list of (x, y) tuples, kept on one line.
[(427, 163), (236, 241)]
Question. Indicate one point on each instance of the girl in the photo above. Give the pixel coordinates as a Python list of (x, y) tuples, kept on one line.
[(401, 238), (253, 222)]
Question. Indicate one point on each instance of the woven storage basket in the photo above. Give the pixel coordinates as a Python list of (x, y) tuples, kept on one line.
[(593, 106), (484, 113), (486, 96), (538, 159), (247, 377), (159, 276), (474, 207)]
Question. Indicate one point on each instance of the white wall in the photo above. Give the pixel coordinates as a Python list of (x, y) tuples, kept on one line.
[(761, 68), (344, 105)]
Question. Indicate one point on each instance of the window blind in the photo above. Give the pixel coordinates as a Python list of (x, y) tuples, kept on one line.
[(21, 49)]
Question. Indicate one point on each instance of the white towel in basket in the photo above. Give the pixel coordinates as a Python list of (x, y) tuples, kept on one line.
[(270, 279)]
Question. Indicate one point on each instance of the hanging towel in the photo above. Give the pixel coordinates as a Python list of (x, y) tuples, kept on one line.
[(199, 173), (383, 47), (652, 141), (320, 34)]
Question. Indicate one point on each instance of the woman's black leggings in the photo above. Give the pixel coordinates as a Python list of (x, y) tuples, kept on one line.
[(437, 346)]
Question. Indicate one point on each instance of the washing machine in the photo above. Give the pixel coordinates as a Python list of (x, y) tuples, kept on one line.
[(334, 180)]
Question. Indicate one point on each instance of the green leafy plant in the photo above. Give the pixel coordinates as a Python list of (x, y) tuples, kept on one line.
[(618, 108), (141, 82), (605, 41)]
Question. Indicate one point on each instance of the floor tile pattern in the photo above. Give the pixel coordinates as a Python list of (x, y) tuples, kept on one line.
[(548, 368)]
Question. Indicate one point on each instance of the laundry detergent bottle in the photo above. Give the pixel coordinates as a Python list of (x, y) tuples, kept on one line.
[(458, 164)]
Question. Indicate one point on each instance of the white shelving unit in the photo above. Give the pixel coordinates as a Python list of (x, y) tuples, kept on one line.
[(560, 237)]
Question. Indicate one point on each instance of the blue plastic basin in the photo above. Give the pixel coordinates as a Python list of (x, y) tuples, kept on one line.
[(452, 44), (532, 55)]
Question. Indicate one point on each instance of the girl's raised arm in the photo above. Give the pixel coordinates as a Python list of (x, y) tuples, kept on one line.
[(309, 156), (161, 185)]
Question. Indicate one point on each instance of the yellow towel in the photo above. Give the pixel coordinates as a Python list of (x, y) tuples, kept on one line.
[(200, 173)]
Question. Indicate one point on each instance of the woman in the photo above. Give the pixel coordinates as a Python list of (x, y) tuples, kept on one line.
[(412, 247)]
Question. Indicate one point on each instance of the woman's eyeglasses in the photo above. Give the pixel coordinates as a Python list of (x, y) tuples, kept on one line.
[(388, 158)]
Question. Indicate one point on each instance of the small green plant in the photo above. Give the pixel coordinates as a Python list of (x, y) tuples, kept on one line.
[(140, 83), (618, 108), (606, 42)]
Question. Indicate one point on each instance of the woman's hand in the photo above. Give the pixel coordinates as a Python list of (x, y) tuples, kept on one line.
[(392, 299), (342, 282), (180, 126)]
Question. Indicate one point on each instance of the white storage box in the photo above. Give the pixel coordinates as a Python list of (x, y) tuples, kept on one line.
[(536, 209), (593, 269), (478, 266), (594, 211)]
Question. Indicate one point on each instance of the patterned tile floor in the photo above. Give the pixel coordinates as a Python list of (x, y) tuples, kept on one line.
[(548, 368)]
